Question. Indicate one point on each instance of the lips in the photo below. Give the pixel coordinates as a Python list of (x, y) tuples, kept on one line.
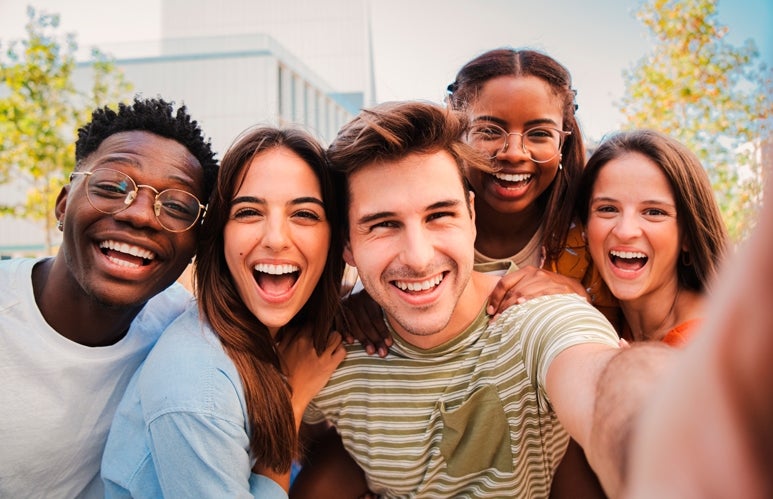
[(276, 279), (126, 255), (628, 260), (512, 179)]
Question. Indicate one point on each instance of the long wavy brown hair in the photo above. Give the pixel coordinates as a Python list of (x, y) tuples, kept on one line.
[(273, 439)]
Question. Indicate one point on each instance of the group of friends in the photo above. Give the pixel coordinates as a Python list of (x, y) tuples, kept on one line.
[(526, 321)]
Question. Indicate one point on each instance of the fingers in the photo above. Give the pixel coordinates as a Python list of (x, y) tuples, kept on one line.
[(527, 283), (364, 322)]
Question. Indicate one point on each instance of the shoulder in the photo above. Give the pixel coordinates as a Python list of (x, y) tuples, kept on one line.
[(188, 370), (163, 309)]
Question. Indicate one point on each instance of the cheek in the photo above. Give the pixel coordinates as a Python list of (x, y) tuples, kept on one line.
[(233, 248), (476, 177), (596, 232)]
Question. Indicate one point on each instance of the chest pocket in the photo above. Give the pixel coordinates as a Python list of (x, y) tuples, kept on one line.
[(476, 436)]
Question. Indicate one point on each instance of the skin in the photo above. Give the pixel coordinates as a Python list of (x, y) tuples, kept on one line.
[(508, 212), (397, 242), (86, 293), (277, 237), (632, 213)]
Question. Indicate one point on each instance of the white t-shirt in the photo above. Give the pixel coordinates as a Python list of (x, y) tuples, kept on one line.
[(57, 397)]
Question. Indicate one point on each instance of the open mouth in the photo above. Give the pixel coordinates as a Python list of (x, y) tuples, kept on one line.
[(275, 280), (628, 260), (419, 287), (512, 180), (126, 255)]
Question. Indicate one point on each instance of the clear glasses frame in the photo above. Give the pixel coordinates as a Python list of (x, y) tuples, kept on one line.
[(489, 136), (173, 208)]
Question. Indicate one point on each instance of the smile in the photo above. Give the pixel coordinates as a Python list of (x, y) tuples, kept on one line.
[(513, 177), (420, 285), (126, 255), (276, 280), (628, 260)]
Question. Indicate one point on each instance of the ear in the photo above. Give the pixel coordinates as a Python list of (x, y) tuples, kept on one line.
[(348, 256), (61, 202)]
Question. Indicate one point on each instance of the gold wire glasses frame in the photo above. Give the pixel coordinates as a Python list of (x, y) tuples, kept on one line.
[(111, 191), (540, 143)]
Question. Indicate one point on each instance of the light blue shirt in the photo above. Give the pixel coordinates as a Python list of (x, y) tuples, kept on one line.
[(181, 429)]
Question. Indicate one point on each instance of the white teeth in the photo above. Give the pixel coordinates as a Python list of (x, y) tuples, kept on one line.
[(513, 177), (628, 254), (268, 268), (419, 286), (128, 249)]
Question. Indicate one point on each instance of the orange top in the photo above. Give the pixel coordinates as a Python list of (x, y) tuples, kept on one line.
[(681, 334)]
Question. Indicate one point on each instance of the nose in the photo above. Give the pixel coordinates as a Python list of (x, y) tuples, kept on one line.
[(275, 233), (627, 226), (140, 208), (418, 248), (513, 149)]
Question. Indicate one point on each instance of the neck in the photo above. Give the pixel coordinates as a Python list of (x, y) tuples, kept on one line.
[(502, 235), (71, 312), (651, 318)]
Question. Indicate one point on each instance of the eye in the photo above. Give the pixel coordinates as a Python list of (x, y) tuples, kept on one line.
[(541, 134), (487, 132), (384, 224), (307, 216), (110, 189), (655, 212), (604, 210), (440, 215), (246, 214)]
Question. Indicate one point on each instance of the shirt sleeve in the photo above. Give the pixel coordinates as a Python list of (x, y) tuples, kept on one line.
[(198, 455), (551, 324)]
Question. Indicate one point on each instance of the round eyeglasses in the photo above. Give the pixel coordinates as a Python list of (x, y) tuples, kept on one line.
[(540, 143), (110, 191)]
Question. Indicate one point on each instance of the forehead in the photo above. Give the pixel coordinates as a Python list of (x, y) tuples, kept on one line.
[(154, 158), (517, 98), (414, 182), (633, 175), (279, 172)]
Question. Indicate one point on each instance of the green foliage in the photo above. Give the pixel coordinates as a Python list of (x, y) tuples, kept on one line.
[(714, 97), (41, 110)]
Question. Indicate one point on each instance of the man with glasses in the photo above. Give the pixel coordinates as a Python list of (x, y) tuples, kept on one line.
[(73, 328)]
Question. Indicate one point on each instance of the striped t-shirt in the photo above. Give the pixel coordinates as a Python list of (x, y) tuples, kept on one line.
[(469, 418)]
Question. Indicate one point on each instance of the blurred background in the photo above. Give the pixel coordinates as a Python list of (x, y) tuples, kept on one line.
[(697, 69)]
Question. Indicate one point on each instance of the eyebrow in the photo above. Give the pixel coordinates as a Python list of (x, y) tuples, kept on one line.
[(257, 200), (503, 123), (450, 203)]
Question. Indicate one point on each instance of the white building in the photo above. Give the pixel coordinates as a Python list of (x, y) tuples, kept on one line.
[(241, 63)]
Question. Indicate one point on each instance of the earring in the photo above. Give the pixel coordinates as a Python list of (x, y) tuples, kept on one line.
[(60, 225), (560, 167)]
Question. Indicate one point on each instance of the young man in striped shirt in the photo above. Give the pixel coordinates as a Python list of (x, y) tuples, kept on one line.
[(464, 405)]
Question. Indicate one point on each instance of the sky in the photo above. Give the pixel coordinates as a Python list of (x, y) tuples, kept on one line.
[(419, 45)]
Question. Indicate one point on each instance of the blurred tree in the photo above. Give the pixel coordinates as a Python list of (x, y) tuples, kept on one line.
[(41, 110), (715, 98)]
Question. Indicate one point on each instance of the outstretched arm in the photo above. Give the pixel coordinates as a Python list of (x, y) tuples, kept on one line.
[(708, 432)]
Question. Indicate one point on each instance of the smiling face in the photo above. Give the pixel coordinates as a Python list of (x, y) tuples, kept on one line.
[(126, 258), (277, 236), (412, 242), (633, 232), (516, 104)]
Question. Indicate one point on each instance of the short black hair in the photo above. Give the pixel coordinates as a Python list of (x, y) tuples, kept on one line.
[(155, 116)]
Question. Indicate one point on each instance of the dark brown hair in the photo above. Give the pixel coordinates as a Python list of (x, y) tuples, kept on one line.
[(394, 130), (273, 439), (558, 200), (697, 213)]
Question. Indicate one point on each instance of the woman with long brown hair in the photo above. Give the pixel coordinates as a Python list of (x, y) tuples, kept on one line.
[(215, 410)]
